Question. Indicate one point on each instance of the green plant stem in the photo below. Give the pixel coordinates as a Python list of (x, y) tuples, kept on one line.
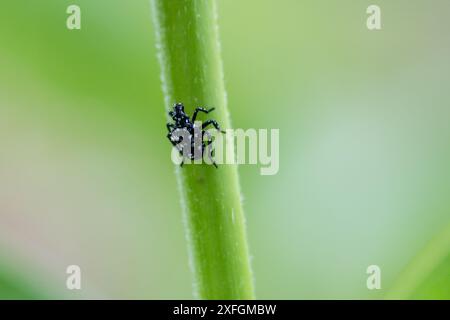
[(423, 268), (189, 54)]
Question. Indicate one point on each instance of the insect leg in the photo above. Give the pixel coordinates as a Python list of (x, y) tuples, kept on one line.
[(169, 136), (207, 145), (197, 110), (214, 123), (170, 127)]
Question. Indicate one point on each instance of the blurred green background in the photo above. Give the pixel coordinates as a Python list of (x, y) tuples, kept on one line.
[(85, 170)]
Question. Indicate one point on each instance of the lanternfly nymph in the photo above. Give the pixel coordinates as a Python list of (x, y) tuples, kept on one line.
[(191, 141)]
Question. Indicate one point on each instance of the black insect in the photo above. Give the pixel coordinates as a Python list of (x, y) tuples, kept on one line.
[(182, 123)]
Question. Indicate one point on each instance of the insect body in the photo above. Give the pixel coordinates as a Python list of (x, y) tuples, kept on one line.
[(186, 136)]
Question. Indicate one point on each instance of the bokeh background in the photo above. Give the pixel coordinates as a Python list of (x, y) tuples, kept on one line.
[(85, 170)]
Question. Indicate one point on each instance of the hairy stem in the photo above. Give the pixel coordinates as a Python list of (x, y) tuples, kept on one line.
[(189, 54)]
